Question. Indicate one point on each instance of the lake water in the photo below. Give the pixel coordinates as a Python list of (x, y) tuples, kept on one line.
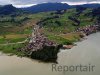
[(86, 52)]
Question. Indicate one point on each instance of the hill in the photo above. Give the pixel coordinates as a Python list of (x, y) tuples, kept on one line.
[(47, 7), (94, 5), (59, 23), (56, 6), (8, 9)]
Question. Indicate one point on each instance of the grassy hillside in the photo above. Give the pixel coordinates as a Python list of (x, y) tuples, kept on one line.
[(59, 24), (56, 25), (18, 27)]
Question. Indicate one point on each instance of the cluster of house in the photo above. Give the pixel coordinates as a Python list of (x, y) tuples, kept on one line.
[(88, 29), (38, 40), (39, 43)]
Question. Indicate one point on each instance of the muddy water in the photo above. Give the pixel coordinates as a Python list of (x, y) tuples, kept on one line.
[(85, 53)]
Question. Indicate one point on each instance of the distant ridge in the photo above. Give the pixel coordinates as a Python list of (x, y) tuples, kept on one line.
[(56, 6), (8, 9), (93, 5), (47, 7), (44, 7)]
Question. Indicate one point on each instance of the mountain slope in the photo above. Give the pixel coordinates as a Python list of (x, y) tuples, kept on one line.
[(47, 7), (94, 5), (9, 9), (56, 6)]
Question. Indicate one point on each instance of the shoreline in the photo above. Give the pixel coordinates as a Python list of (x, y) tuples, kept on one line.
[(85, 31), (37, 59), (48, 52)]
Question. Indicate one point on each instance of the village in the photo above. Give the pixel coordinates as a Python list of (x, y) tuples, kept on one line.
[(41, 45)]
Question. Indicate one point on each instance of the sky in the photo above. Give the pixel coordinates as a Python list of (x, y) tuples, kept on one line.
[(27, 3)]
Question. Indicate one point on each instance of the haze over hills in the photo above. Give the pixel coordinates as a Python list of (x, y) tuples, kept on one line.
[(56, 6), (47, 7), (9, 9)]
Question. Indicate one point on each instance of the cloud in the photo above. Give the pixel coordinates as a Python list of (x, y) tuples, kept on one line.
[(22, 3), (81, 2), (24, 6), (3, 2), (75, 3)]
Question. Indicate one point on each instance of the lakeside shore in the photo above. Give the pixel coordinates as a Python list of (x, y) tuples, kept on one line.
[(49, 51), (85, 31)]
